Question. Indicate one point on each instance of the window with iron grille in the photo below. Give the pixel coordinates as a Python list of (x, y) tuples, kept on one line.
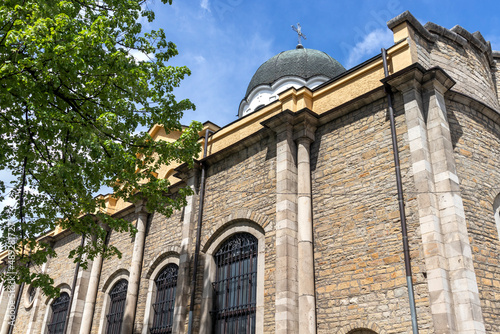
[(163, 307), (235, 285), (59, 309), (115, 315), (31, 294)]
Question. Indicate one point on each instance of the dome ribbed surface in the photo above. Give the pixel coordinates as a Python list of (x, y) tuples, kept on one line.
[(303, 63)]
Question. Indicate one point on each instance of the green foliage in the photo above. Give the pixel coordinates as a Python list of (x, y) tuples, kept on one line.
[(71, 99)]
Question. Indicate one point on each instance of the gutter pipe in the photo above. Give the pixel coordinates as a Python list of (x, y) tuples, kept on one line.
[(402, 214), (198, 235)]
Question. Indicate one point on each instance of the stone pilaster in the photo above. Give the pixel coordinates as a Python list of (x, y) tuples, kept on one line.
[(135, 268), (90, 298), (79, 296), (441, 299), (453, 292), (286, 318), (457, 248), (183, 280), (304, 132)]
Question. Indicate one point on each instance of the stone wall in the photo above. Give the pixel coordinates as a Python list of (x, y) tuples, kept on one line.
[(61, 269), (243, 186), (359, 263), (476, 139), (466, 57)]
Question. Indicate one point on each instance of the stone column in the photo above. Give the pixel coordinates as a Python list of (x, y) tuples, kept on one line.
[(457, 248), (90, 299), (304, 130), (307, 300), (286, 318), (183, 279), (135, 268)]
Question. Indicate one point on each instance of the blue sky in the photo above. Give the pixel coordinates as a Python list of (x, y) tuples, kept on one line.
[(223, 42)]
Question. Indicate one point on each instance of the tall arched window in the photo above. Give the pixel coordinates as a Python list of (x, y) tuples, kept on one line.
[(115, 314), (59, 309), (163, 307), (235, 285)]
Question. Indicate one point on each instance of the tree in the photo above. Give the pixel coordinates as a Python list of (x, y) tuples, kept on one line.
[(71, 99)]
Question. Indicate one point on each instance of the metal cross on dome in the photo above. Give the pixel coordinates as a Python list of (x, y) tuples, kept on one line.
[(298, 30)]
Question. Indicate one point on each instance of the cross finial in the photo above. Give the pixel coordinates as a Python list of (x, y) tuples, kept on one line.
[(298, 30)]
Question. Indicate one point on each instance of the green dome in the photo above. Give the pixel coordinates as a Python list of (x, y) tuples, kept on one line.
[(299, 62)]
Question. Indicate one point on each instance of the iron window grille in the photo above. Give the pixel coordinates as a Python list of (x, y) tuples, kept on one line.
[(31, 294), (115, 315), (59, 310), (235, 285), (163, 307)]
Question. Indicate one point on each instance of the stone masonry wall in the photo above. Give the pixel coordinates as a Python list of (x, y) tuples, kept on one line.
[(359, 262), (245, 181), (61, 269), (457, 52), (476, 139)]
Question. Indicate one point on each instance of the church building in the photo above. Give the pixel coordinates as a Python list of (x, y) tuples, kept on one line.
[(360, 201)]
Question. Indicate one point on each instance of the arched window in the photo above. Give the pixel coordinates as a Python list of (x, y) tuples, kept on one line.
[(235, 285), (163, 307), (59, 309), (362, 331), (115, 314)]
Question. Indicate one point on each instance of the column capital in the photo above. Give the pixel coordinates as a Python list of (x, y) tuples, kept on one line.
[(140, 206), (416, 77), (437, 79), (303, 123), (281, 122)]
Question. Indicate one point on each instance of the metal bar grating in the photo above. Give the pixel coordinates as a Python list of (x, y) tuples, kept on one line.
[(114, 317), (235, 285), (59, 309), (163, 307)]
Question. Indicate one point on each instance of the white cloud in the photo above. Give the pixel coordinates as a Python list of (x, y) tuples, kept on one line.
[(139, 56), (369, 46), (199, 59), (205, 5)]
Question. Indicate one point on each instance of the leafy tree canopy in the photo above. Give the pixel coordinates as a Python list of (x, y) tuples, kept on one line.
[(71, 99)]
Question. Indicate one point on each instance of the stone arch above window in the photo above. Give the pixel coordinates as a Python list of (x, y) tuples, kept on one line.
[(362, 331), (496, 213), (362, 327), (238, 218)]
